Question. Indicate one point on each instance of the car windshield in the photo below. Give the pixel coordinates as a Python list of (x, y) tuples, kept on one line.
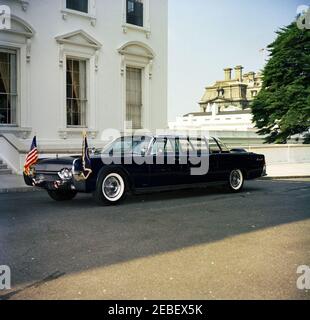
[(223, 146), (128, 145)]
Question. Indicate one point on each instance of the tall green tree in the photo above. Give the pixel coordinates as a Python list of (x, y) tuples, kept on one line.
[(282, 108)]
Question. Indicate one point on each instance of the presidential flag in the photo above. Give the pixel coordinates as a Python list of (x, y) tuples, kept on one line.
[(32, 157), (87, 171)]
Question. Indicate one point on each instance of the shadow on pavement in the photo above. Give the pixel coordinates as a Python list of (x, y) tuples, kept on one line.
[(39, 237)]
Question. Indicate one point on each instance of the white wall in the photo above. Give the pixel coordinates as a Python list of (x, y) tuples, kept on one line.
[(44, 78), (277, 154), (230, 122)]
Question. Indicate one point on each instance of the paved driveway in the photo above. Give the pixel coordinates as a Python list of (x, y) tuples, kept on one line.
[(193, 244)]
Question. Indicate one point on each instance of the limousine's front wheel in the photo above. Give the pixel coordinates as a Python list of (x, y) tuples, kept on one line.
[(236, 180), (111, 188)]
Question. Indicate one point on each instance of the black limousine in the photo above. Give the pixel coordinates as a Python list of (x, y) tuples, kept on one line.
[(147, 163)]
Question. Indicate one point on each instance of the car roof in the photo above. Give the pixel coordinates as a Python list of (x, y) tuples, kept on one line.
[(167, 136)]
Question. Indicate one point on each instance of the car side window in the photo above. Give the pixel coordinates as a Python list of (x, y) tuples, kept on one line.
[(185, 146), (213, 147), (199, 145), (122, 146), (140, 146), (223, 146), (163, 146), (129, 145)]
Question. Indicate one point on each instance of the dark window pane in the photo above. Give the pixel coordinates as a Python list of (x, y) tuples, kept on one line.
[(3, 116), (69, 92), (8, 85), (69, 78), (5, 74), (78, 5), (75, 111), (135, 12), (69, 112), (4, 57), (76, 66), (69, 64), (76, 94), (2, 86), (3, 109), (76, 77)]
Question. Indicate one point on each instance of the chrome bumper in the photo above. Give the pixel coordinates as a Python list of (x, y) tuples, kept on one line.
[(51, 182)]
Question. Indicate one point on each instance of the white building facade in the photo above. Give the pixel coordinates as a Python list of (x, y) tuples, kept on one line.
[(68, 66)]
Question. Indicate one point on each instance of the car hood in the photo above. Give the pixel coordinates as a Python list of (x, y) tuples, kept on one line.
[(55, 164)]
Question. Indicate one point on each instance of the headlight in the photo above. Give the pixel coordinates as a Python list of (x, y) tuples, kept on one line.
[(65, 174)]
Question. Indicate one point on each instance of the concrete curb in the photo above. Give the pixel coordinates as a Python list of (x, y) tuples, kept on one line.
[(283, 177), (20, 190)]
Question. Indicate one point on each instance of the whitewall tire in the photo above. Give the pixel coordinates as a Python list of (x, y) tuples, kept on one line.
[(111, 188), (236, 180)]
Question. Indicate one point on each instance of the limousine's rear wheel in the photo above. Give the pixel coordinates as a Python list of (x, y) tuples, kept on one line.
[(111, 188), (236, 180), (60, 195)]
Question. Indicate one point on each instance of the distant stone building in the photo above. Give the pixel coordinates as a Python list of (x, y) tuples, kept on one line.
[(225, 112), (232, 94), (225, 107)]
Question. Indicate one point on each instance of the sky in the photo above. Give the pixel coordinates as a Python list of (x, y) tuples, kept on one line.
[(206, 36)]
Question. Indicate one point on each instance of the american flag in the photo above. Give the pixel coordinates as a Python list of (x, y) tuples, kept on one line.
[(32, 156)]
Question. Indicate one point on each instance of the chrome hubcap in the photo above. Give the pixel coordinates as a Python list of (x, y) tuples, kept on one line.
[(112, 187), (236, 179)]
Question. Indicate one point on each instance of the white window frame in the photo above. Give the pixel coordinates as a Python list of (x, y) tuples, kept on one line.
[(16, 50), (19, 40), (91, 14), (86, 59), (145, 92), (145, 63), (89, 92), (89, 52), (142, 68), (146, 29)]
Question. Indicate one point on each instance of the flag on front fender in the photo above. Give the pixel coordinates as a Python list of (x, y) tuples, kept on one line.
[(86, 159), (32, 156)]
